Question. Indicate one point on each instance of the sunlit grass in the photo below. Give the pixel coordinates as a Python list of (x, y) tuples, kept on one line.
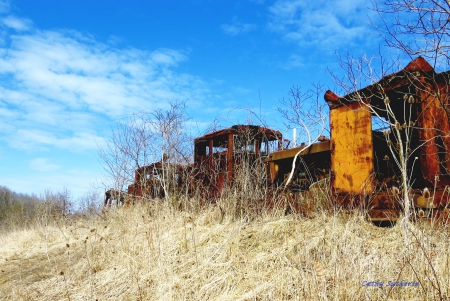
[(157, 253)]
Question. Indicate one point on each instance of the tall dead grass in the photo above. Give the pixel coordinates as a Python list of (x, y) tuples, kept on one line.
[(154, 252)]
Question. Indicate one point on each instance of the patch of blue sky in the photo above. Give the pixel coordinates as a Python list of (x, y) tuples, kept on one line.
[(69, 70)]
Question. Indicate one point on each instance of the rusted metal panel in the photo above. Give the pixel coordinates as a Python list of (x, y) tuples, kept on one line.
[(351, 150), (290, 153), (434, 133), (273, 169), (230, 156)]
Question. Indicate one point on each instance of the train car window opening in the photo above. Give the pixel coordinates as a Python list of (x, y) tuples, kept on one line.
[(248, 148), (243, 144), (251, 147), (379, 124), (201, 148), (264, 149), (273, 146), (220, 144)]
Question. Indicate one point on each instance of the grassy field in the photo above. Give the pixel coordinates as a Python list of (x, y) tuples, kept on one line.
[(157, 253)]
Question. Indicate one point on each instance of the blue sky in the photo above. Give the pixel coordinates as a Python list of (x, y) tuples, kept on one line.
[(69, 70)]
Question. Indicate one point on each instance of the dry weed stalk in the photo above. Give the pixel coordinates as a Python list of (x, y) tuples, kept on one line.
[(153, 252)]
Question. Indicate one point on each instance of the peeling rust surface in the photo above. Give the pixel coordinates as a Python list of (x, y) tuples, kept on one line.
[(352, 155), (419, 99)]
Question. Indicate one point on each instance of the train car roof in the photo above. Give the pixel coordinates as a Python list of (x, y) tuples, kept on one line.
[(418, 71), (236, 129)]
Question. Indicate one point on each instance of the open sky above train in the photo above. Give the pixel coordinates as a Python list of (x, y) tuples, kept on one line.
[(71, 69)]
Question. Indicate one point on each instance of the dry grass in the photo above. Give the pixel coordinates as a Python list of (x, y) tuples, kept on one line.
[(157, 253)]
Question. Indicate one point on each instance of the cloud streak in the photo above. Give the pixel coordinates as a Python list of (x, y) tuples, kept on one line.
[(330, 24), (58, 83), (19, 24), (43, 165), (236, 27)]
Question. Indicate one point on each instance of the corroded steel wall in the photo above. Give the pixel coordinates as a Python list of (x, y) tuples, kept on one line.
[(351, 150), (434, 134)]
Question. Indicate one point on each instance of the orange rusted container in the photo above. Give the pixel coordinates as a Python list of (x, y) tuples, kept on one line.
[(360, 160)]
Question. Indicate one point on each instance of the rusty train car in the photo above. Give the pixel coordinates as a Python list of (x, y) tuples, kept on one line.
[(357, 163), (359, 160), (217, 156)]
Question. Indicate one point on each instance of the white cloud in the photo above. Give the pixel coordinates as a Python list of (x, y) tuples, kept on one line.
[(56, 85), (329, 24), (237, 27), (19, 24), (43, 165), (30, 138), (295, 61)]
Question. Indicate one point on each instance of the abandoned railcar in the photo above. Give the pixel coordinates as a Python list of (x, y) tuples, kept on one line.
[(218, 155), (357, 167), (156, 180), (360, 160)]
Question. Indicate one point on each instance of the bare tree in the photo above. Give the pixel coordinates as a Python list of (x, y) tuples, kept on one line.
[(307, 113), (90, 203), (60, 201), (146, 138), (416, 27)]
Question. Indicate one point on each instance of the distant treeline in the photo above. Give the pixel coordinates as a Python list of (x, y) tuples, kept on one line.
[(20, 211)]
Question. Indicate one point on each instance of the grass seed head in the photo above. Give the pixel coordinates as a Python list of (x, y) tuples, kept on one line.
[(395, 190)]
